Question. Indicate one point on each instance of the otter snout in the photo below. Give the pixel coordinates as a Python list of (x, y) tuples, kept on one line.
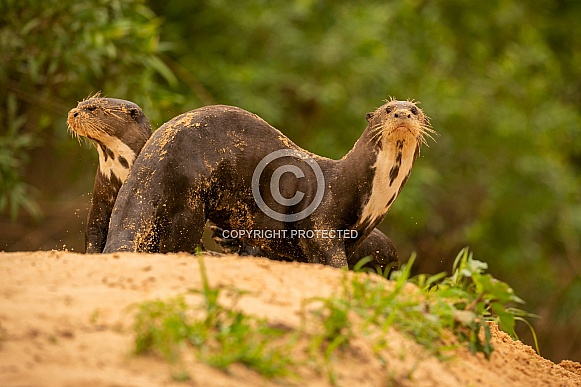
[(402, 115), (73, 113), (403, 110), (73, 121)]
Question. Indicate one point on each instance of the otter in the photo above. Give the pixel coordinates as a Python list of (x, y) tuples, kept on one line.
[(215, 163), (119, 130)]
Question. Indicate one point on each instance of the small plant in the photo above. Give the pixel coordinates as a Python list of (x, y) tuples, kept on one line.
[(380, 308), (385, 271), (429, 309), (470, 298), (335, 330), (462, 304), (161, 326), (219, 335)]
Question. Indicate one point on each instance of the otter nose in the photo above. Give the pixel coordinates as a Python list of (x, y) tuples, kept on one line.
[(402, 114), (73, 113)]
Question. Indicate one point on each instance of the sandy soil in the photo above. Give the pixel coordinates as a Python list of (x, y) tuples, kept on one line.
[(65, 320)]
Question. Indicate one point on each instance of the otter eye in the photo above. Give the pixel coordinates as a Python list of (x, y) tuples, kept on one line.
[(91, 108), (388, 110), (415, 110), (133, 113)]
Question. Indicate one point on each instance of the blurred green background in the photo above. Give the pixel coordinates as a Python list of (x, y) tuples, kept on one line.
[(501, 81)]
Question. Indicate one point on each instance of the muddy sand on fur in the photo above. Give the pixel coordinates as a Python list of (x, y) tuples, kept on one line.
[(67, 320)]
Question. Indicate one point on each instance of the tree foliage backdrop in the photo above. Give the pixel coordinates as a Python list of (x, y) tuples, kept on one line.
[(501, 81)]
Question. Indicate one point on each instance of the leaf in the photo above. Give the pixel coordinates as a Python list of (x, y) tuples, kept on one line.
[(362, 262), (163, 70), (506, 319)]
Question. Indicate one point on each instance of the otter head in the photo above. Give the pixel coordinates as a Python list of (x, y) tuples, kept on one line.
[(395, 133), (399, 120), (118, 129)]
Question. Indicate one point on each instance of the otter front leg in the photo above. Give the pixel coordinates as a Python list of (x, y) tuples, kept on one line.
[(336, 258), (182, 229), (326, 251), (97, 227), (102, 202), (236, 246)]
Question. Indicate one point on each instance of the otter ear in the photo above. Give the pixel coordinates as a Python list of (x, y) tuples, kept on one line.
[(134, 113), (369, 116)]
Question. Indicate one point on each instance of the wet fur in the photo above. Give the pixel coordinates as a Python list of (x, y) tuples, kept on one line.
[(118, 129), (199, 166)]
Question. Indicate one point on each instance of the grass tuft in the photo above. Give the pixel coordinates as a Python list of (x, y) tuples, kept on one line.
[(428, 309), (219, 335)]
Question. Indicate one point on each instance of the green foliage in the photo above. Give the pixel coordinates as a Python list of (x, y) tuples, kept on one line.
[(160, 326), (14, 193), (334, 330), (428, 309), (220, 335), (462, 304), (500, 81), (223, 337), (468, 299), (55, 53)]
